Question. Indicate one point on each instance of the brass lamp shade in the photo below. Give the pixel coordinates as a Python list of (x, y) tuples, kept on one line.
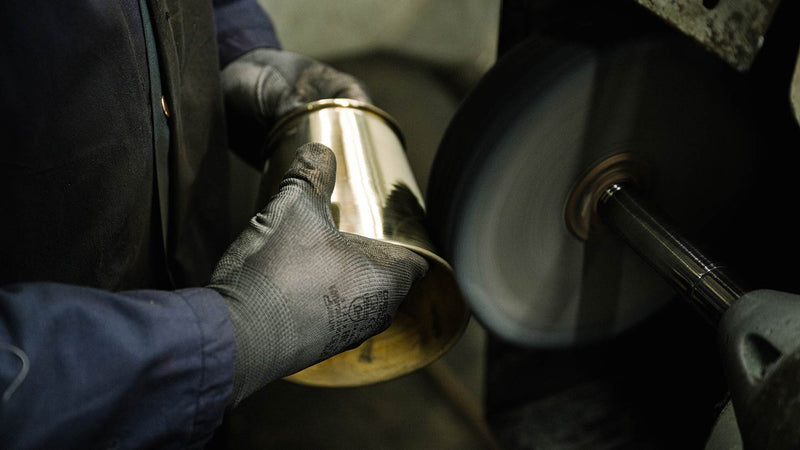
[(375, 196)]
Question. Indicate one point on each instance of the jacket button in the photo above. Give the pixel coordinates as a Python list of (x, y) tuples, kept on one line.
[(164, 106)]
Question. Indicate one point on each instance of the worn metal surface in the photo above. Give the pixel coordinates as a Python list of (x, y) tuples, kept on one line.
[(580, 211), (733, 29), (375, 196)]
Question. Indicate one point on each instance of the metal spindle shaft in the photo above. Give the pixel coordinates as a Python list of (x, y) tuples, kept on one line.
[(703, 282)]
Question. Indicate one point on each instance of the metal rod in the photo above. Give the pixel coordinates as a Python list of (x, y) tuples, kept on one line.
[(703, 282)]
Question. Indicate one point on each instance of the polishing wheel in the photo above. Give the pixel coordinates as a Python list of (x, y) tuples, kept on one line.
[(551, 122)]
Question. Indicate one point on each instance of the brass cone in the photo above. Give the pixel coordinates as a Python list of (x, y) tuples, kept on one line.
[(375, 196)]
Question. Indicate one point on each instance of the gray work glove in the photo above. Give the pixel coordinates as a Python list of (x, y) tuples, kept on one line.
[(300, 291), (262, 85), (267, 82)]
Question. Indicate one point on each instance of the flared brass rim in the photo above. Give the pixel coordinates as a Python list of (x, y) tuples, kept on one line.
[(278, 130)]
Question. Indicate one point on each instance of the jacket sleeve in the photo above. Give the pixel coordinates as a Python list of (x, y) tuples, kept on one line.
[(242, 25), (85, 368)]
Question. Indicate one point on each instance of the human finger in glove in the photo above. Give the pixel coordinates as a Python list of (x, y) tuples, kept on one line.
[(263, 84), (292, 281)]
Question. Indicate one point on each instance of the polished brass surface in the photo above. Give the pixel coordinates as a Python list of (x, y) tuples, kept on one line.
[(164, 106), (375, 196)]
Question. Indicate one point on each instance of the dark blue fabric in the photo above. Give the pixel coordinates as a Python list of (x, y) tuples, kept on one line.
[(76, 156), (160, 125), (242, 25), (137, 369), (76, 138)]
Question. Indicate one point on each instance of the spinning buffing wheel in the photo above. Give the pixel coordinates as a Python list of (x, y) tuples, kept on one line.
[(656, 112)]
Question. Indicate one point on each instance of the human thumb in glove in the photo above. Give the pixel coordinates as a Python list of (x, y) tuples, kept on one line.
[(300, 291), (263, 84)]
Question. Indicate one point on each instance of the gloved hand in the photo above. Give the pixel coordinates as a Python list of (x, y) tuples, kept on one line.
[(262, 85), (299, 290)]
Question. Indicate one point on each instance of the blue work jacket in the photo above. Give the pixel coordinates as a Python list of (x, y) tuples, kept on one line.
[(113, 190)]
